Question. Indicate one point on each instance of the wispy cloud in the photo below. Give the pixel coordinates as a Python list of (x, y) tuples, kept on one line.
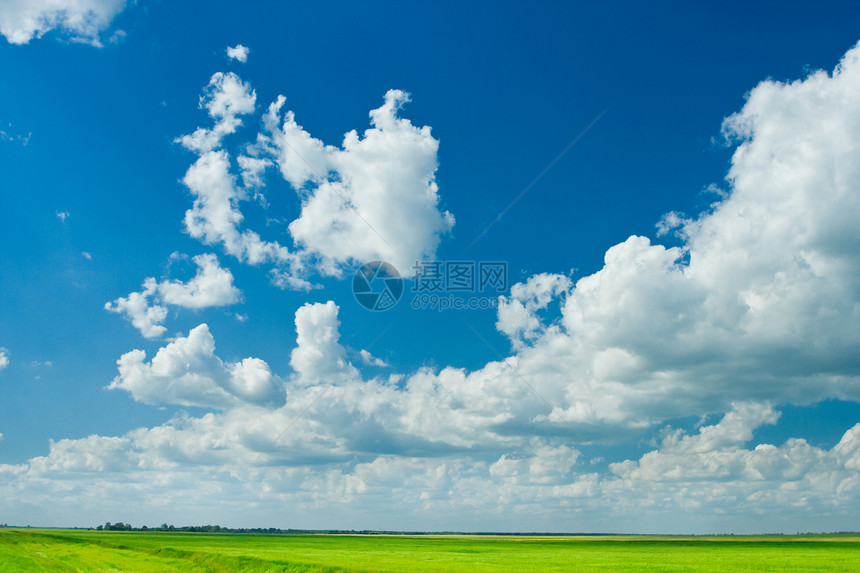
[(15, 137)]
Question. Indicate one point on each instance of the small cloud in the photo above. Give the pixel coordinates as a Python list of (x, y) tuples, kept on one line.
[(147, 310), (239, 52), (714, 189), (371, 360), (62, 215), (145, 317), (13, 137), (4, 358), (117, 37), (670, 221), (87, 255), (241, 317)]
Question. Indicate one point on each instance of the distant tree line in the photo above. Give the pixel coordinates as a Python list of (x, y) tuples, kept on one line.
[(120, 526)]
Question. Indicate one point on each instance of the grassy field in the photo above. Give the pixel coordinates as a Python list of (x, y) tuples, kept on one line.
[(76, 550)]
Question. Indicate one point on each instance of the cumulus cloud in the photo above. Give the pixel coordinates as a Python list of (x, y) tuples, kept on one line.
[(4, 358), (318, 355), (176, 467), (79, 20), (325, 442), (211, 286), (186, 372), (376, 197), (714, 474), (760, 302), (238, 52), (225, 98), (215, 217), (517, 313), (136, 307)]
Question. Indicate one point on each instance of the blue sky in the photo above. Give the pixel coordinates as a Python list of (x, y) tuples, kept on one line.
[(675, 349)]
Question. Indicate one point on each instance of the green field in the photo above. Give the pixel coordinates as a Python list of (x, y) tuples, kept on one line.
[(78, 550)]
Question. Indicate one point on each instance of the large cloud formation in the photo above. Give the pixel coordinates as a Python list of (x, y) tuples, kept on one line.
[(758, 307)]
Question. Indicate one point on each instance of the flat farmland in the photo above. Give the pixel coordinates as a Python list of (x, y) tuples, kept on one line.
[(83, 550)]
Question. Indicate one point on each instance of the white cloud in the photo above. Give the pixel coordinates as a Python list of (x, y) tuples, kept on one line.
[(678, 487), (761, 302), (215, 216), (374, 198), (238, 52), (517, 314), (80, 20), (87, 255), (670, 221), (712, 473), (318, 356), (371, 360), (62, 216), (186, 372), (225, 98), (345, 448), (211, 286), (4, 358), (136, 307), (252, 170)]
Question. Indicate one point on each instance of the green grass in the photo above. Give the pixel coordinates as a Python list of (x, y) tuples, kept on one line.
[(76, 550)]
